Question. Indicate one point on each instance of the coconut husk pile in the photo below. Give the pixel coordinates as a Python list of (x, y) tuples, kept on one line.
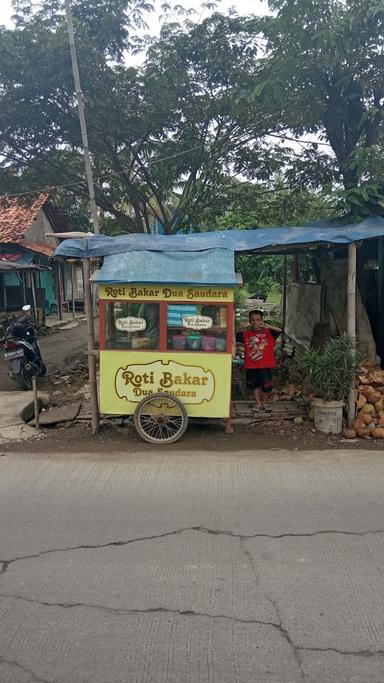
[(369, 421)]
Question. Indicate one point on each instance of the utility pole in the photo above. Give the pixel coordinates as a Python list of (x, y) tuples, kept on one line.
[(83, 125)]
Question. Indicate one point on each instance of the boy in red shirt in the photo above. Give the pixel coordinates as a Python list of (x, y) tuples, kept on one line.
[(259, 356)]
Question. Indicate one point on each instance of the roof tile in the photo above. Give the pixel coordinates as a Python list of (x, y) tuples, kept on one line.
[(16, 217)]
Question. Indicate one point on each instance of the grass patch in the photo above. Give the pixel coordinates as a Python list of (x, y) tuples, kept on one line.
[(274, 298)]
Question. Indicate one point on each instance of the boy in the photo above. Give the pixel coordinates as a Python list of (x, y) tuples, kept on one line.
[(259, 356)]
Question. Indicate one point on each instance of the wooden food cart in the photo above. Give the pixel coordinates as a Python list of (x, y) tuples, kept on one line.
[(166, 347)]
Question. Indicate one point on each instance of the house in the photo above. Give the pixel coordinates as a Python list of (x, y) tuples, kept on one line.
[(27, 272)]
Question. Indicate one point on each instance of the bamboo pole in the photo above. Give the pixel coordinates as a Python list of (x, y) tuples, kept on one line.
[(351, 320), (73, 289), (33, 287), (91, 347), (58, 291), (35, 403), (284, 312), (22, 276)]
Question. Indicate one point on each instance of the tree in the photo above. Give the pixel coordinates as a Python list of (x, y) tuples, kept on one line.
[(165, 138), (324, 70), (253, 206)]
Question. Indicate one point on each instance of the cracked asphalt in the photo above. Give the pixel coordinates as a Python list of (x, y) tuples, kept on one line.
[(194, 567)]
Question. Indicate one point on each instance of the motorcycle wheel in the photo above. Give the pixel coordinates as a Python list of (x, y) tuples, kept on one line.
[(23, 378)]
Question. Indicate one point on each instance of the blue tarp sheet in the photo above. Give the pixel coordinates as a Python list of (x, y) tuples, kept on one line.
[(210, 267), (234, 240)]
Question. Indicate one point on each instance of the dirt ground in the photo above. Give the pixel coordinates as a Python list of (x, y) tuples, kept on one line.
[(200, 436), (56, 346), (65, 354)]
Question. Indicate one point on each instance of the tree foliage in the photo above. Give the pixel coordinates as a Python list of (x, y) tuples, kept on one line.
[(324, 70), (215, 102), (165, 138)]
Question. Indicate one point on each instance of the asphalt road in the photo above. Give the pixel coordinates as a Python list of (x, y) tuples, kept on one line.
[(172, 568)]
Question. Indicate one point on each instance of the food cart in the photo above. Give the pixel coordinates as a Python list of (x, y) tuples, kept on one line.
[(165, 346)]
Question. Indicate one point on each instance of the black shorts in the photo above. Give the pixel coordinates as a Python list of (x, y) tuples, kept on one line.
[(259, 379)]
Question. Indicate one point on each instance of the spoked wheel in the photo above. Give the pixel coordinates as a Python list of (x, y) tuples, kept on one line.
[(160, 418)]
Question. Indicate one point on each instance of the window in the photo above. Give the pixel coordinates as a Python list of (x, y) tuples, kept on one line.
[(197, 327), (132, 325)]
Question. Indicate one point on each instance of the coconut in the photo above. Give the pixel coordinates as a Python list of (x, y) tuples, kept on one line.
[(378, 433), (367, 418), (368, 408), (361, 401), (349, 433), (368, 391), (358, 424), (364, 432), (374, 398)]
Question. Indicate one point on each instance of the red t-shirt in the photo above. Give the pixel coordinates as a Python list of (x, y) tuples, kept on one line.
[(259, 348)]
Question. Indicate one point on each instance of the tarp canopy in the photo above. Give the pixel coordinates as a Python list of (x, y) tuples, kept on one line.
[(323, 232), (210, 267)]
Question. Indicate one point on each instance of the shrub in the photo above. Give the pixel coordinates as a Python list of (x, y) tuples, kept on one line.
[(331, 372)]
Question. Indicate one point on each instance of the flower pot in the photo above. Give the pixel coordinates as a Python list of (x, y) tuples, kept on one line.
[(328, 415)]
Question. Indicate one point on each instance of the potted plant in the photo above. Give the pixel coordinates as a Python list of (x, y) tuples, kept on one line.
[(331, 373)]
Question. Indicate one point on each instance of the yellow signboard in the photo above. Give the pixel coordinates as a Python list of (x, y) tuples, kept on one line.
[(201, 381), (166, 293)]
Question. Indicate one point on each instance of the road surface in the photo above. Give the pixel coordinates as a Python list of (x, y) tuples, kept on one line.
[(240, 567)]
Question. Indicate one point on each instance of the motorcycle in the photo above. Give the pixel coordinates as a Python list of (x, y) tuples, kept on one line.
[(21, 349)]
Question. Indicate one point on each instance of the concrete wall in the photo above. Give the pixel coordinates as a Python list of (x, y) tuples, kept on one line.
[(39, 228)]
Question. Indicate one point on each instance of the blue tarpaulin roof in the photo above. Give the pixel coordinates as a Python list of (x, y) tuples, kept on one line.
[(209, 267), (234, 240)]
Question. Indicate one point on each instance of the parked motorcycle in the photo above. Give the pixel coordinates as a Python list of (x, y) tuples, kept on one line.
[(21, 349)]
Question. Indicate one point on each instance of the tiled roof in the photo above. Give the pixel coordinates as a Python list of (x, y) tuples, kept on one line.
[(16, 217), (40, 248)]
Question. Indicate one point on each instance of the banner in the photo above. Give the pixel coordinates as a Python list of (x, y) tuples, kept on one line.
[(201, 381), (166, 293)]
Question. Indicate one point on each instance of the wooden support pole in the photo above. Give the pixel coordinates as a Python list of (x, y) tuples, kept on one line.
[(296, 268), (380, 287), (4, 293), (73, 290), (351, 320), (33, 287), (91, 347), (58, 290), (35, 402), (22, 276), (284, 302)]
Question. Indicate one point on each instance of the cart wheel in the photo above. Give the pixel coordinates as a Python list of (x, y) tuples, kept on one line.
[(160, 418)]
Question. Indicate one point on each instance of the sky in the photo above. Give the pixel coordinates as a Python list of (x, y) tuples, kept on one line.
[(241, 6)]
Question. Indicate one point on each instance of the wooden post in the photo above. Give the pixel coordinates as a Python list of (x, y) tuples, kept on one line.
[(4, 293), (296, 268), (22, 276), (380, 308), (33, 287), (284, 311), (351, 320), (91, 347), (73, 289), (35, 402), (58, 290)]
